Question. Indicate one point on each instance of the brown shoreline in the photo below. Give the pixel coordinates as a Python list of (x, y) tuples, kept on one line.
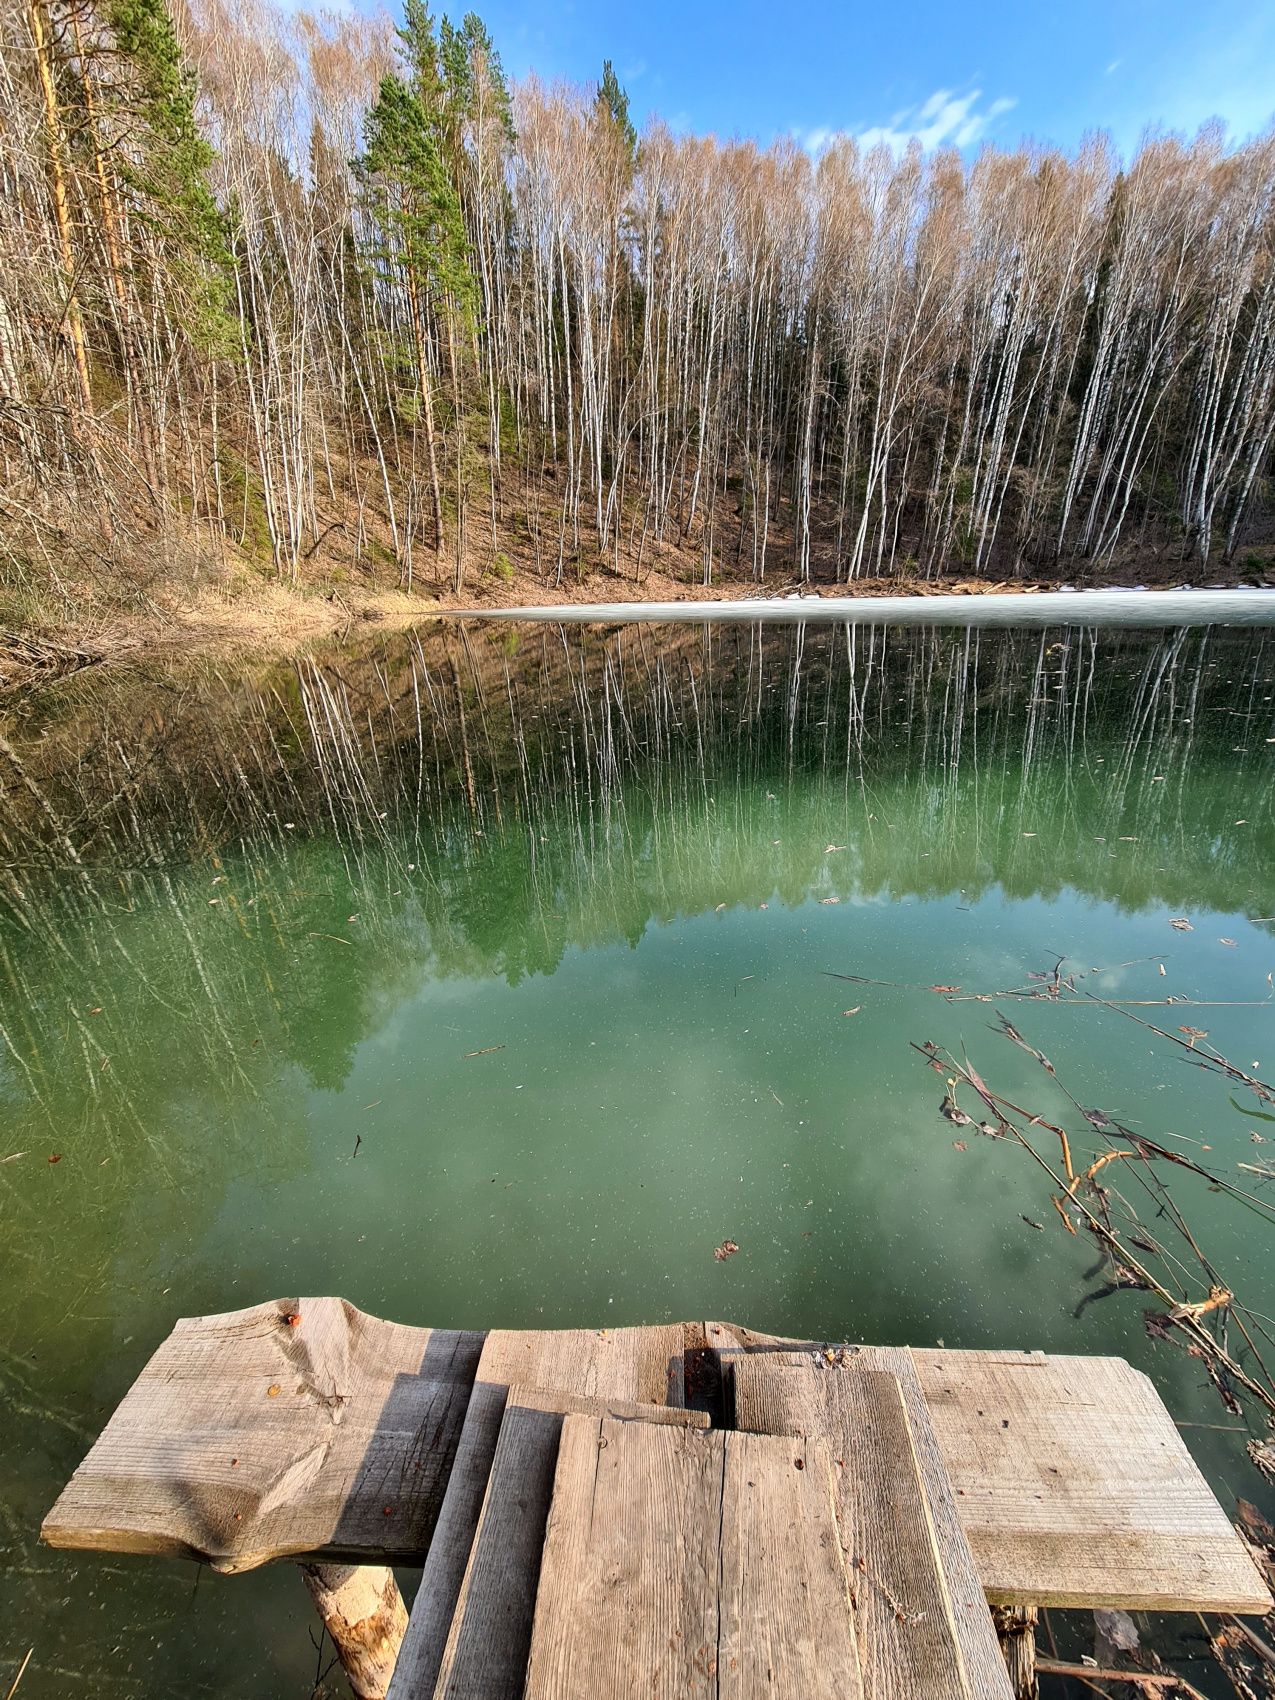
[(276, 620)]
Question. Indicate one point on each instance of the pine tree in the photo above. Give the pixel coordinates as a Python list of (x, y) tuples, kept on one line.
[(612, 105), (409, 164), (164, 168)]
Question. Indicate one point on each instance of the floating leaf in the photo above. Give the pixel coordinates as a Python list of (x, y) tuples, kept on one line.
[(728, 1248)]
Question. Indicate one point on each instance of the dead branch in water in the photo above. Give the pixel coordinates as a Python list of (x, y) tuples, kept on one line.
[(1085, 1198)]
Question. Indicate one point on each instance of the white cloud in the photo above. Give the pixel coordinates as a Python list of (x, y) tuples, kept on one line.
[(946, 119)]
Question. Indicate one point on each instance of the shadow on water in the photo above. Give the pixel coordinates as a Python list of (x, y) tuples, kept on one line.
[(479, 976)]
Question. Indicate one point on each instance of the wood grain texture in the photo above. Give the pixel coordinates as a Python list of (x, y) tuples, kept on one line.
[(363, 1612), (1088, 1498), (486, 1653), (912, 1641), (1075, 1487), (979, 1648), (300, 1428), (639, 1364), (690, 1564)]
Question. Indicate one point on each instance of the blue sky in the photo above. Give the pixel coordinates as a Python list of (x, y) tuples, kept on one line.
[(961, 73)]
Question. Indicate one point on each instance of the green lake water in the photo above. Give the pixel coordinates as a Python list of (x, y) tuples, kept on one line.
[(483, 977)]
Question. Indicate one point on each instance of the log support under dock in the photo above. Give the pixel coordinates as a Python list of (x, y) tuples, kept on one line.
[(1016, 1627), (363, 1612)]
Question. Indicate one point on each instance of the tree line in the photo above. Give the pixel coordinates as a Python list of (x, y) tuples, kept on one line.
[(320, 287)]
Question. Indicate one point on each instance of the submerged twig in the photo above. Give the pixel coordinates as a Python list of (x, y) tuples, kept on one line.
[(1103, 1673), (1201, 1322), (21, 1673)]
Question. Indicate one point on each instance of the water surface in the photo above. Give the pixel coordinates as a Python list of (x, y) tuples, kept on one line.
[(482, 977)]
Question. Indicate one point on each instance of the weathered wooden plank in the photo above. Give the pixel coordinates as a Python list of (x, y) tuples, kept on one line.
[(910, 1640), (486, 1653), (689, 1563), (1075, 1488), (639, 1364), (1033, 1499), (980, 1651), (300, 1428), (783, 1619)]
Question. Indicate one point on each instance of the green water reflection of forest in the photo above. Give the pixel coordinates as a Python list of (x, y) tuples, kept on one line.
[(481, 976)]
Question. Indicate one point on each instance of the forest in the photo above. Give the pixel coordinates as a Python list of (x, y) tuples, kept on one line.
[(302, 297)]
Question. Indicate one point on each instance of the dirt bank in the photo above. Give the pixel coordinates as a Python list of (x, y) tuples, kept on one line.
[(277, 619)]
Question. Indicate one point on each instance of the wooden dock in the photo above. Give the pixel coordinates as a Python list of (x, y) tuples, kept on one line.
[(689, 1509)]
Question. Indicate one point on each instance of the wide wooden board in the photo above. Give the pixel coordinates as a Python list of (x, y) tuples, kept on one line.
[(1087, 1498), (690, 1564), (920, 1631), (1076, 1489), (486, 1653), (300, 1428), (643, 1365)]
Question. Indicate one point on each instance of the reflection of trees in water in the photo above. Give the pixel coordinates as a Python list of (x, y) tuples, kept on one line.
[(485, 721), (479, 800)]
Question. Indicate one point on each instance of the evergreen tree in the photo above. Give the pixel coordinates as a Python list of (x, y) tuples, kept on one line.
[(412, 139), (473, 74), (612, 105), (408, 160), (166, 162)]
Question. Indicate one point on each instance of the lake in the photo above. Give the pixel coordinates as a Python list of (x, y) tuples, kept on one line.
[(485, 976)]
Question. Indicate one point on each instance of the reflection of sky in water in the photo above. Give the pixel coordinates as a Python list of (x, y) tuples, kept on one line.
[(606, 855)]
